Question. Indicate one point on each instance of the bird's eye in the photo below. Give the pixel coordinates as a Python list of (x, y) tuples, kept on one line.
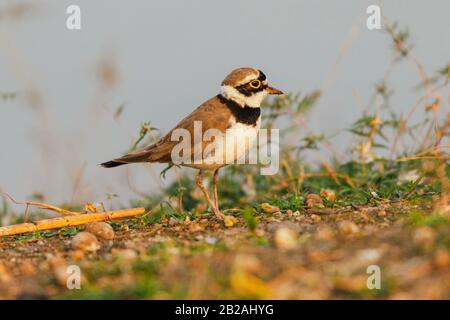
[(255, 84)]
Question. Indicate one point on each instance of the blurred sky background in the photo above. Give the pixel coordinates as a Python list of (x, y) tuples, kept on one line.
[(164, 58)]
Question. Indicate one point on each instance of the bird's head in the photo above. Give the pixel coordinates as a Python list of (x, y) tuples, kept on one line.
[(247, 87)]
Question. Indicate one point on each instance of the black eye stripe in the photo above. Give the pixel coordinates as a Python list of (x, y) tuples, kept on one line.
[(247, 90)]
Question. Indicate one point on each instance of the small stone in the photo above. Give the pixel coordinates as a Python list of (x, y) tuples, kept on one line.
[(277, 214), (268, 208), (247, 263), (285, 238), (229, 221), (211, 240), (382, 213), (289, 213), (199, 237), (348, 227), (418, 269), (102, 230), (196, 227), (85, 241), (424, 236), (27, 268), (313, 200), (260, 232), (325, 233), (107, 245), (369, 255), (77, 255), (351, 284), (316, 218), (59, 267), (321, 211), (442, 258), (5, 275)]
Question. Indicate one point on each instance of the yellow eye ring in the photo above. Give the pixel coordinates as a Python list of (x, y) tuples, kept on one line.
[(255, 84)]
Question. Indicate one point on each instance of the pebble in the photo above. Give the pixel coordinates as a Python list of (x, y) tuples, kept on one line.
[(321, 211), (260, 232), (199, 237), (424, 236), (382, 213), (370, 255), (348, 227), (229, 221), (277, 214), (59, 267), (325, 233), (85, 241), (268, 208), (5, 276), (285, 238), (442, 258), (77, 255), (211, 240), (27, 268), (313, 200), (102, 230), (247, 263), (195, 227)]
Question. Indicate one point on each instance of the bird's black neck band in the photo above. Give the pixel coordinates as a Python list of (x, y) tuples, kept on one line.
[(246, 114)]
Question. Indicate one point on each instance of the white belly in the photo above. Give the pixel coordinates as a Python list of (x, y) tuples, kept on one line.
[(236, 146)]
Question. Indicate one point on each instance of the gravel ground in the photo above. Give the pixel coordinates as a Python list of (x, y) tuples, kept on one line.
[(312, 254)]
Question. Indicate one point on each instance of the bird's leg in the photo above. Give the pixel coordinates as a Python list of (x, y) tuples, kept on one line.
[(215, 180), (200, 184)]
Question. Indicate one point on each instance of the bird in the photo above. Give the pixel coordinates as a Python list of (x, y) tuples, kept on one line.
[(237, 108)]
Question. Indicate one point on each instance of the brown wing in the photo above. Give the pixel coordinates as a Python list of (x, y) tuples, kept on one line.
[(212, 114)]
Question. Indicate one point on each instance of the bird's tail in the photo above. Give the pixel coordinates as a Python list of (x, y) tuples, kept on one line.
[(142, 156), (112, 164)]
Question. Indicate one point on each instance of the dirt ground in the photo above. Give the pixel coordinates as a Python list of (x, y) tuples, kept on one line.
[(311, 254)]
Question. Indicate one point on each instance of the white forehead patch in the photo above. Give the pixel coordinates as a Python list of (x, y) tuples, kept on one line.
[(248, 78)]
